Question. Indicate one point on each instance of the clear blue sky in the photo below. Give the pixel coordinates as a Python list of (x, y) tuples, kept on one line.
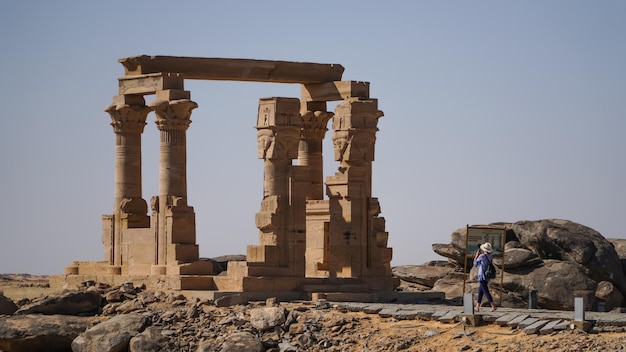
[(494, 111)]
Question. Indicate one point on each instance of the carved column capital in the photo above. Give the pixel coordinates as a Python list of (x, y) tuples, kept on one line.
[(128, 118), (278, 124), (355, 125), (314, 124), (278, 143), (174, 114)]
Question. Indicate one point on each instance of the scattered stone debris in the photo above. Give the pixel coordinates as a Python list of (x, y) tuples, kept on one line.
[(137, 320)]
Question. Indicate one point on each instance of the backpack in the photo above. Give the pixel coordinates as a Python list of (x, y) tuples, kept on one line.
[(490, 273)]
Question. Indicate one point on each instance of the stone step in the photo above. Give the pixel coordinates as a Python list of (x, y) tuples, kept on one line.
[(535, 327), (505, 319), (513, 323), (405, 314), (450, 317), (527, 322), (334, 288), (195, 282), (342, 296), (549, 328)]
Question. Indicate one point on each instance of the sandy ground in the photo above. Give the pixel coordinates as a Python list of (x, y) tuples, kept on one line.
[(387, 334)]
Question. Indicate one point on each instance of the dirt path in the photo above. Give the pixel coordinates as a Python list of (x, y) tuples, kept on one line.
[(387, 334)]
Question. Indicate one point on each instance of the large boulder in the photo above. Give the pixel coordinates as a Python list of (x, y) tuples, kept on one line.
[(451, 251), (242, 342), (425, 275), (517, 258), (71, 303), (620, 247), (530, 244), (266, 318), (7, 307), (557, 283), (41, 332), (451, 285), (609, 295), (150, 340), (112, 335), (568, 241)]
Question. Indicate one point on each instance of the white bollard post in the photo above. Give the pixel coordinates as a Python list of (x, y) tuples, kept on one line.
[(468, 303), (579, 309)]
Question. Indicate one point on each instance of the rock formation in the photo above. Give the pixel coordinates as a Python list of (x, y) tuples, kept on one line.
[(558, 258)]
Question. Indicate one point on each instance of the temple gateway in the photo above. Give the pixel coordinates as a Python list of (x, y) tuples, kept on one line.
[(309, 246)]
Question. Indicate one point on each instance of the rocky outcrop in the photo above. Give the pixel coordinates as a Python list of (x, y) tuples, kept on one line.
[(71, 303), (452, 251), (111, 335), (568, 241), (170, 322), (220, 264), (240, 342), (7, 307), (149, 340), (620, 247), (36, 332), (421, 274), (538, 254), (451, 285), (515, 258), (557, 283), (609, 295)]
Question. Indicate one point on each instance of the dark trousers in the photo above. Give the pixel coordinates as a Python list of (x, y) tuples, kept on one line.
[(483, 289)]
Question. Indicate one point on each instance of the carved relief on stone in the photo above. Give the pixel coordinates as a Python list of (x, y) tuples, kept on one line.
[(265, 118), (265, 140), (286, 143), (279, 112), (174, 114), (361, 146), (278, 124), (356, 114), (128, 118), (278, 143), (340, 143), (355, 124)]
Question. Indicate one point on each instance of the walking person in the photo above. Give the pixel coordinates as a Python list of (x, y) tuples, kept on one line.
[(482, 259)]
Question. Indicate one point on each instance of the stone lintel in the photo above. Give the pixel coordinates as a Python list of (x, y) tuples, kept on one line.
[(150, 84), (129, 100), (338, 90), (223, 69), (312, 106), (173, 94)]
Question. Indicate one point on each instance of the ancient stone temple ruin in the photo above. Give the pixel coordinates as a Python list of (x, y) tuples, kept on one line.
[(308, 245)]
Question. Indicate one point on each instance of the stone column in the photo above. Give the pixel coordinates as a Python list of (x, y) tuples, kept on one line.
[(353, 232), (176, 235), (278, 125), (128, 115), (314, 121)]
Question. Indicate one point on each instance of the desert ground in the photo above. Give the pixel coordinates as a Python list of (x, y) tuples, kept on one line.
[(370, 332)]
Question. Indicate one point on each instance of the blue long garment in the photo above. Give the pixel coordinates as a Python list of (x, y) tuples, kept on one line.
[(482, 262)]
